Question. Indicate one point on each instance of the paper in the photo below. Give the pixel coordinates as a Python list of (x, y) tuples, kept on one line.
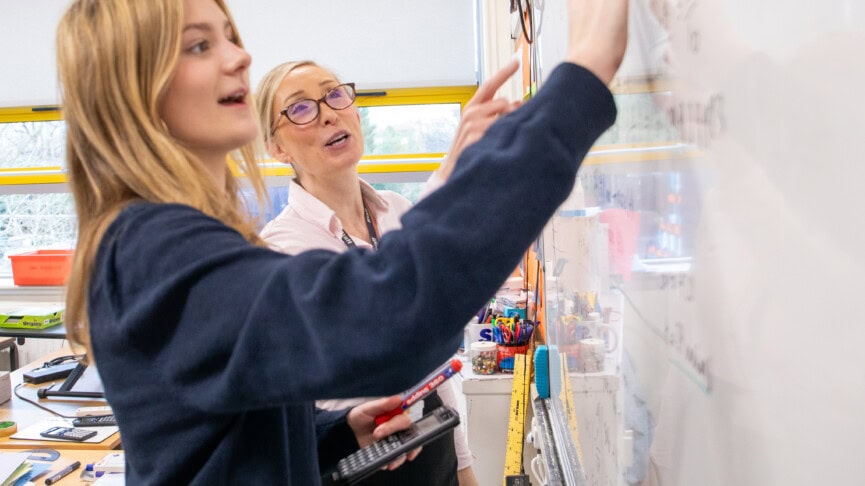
[(575, 236), (11, 466), (34, 470), (624, 231), (116, 479), (32, 432)]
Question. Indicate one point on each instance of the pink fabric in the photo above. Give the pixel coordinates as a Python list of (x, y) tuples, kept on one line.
[(307, 223)]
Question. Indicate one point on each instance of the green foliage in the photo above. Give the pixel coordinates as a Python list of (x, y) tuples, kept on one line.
[(369, 129)]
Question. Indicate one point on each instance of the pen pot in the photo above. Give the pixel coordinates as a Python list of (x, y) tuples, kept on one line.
[(505, 356)]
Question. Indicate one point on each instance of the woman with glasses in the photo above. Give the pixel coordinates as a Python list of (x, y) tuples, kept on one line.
[(309, 120), (210, 345)]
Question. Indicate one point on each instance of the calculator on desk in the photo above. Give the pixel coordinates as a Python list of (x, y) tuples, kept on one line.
[(94, 421), (370, 459), (68, 433)]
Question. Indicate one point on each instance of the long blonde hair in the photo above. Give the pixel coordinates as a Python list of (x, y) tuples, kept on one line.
[(115, 60)]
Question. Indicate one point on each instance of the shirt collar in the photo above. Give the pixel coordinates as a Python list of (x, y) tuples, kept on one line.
[(310, 208)]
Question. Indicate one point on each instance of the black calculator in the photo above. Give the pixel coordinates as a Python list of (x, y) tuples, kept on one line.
[(68, 433), (370, 459), (94, 421)]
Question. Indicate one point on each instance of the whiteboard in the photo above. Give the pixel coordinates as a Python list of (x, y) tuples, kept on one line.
[(736, 158)]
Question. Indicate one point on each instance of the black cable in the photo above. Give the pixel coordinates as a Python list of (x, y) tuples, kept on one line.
[(529, 38), (60, 360), (39, 405)]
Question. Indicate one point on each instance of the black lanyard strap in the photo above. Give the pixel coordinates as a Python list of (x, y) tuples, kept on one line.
[(373, 236)]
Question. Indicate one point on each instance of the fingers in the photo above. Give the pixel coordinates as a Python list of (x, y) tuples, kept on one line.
[(400, 422), (492, 108), (382, 405), (487, 90), (399, 461), (480, 112), (414, 453), (478, 118)]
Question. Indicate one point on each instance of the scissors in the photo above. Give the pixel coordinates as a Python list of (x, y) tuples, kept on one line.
[(507, 334)]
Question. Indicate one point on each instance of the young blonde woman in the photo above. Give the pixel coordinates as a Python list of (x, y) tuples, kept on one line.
[(308, 119), (209, 345)]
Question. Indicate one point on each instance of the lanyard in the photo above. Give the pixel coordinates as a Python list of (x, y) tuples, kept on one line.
[(373, 237)]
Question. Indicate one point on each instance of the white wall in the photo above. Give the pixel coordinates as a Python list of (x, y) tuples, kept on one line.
[(375, 43), (29, 75)]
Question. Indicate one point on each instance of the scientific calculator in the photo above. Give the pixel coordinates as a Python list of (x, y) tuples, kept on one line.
[(68, 433), (94, 421), (370, 459)]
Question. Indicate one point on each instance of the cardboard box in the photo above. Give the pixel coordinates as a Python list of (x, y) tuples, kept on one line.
[(31, 317), (5, 387)]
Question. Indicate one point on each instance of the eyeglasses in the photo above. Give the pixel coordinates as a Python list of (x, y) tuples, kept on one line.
[(306, 111)]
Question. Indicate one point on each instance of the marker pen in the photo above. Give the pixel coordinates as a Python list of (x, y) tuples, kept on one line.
[(63, 472), (423, 389)]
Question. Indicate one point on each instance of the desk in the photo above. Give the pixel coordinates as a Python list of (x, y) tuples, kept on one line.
[(53, 332), (25, 414)]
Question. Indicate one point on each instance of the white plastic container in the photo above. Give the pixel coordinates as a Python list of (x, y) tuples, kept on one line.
[(483, 355)]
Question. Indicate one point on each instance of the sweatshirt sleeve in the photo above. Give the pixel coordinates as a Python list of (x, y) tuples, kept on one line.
[(335, 438), (235, 326)]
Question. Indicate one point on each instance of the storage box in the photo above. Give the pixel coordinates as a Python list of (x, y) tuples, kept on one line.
[(5, 388), (114, 462), (41, 267), (31, 317)]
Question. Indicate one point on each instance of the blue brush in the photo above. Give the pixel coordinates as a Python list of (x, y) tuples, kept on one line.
[(542, 371)]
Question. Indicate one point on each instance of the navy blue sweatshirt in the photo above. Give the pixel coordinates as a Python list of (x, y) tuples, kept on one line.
[(213, 350)]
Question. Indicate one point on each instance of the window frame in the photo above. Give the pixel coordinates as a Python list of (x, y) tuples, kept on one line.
[(376, 168), (21, 180)]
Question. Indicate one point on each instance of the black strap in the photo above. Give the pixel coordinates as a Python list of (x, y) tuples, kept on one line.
[(373, 236)]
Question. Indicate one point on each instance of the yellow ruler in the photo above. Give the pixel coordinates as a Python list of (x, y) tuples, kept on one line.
[(517, 422), (567, 398)]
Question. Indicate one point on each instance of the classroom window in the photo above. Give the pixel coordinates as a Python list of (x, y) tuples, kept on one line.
[(30, 221), (406, 133), (32, 144), (409, 190), (409, 129)]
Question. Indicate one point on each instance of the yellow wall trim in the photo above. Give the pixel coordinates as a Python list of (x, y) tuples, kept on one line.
[(30, 114)]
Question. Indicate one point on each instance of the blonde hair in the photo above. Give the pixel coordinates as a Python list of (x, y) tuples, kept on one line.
[(115, 60), (266, 93)]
